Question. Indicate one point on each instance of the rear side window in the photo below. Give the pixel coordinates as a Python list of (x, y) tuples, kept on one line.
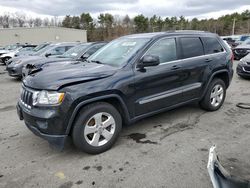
[(191, 47), (211, 45)]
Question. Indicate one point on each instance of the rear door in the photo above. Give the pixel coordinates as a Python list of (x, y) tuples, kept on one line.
[(194, 64)]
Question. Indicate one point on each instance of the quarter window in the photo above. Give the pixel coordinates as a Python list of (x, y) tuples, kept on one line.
[(211, 45), (165, 49), (191, 47)]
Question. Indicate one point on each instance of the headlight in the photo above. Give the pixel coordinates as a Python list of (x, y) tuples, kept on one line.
[(47, 98), (19, 61), (243, 62)]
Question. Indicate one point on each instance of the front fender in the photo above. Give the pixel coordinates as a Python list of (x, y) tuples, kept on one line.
[(96, 99)]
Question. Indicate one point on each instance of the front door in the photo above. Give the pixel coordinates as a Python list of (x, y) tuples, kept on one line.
[(159, 87)]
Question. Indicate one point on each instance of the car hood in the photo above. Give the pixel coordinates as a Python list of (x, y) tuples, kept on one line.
[(54, 77), (43, 61), (22, 61), (244, 46)]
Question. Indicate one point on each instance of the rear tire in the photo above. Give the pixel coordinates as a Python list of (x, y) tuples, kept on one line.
[(96, 128), (215, 95)]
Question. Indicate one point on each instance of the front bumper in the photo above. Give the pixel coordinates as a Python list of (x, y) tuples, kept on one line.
[(14, 71), (44, 123), (238, 56), (219, 176), (241, 71)]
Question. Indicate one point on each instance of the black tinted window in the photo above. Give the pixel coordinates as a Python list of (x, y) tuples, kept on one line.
[(191, 47), (211, 45), (165, 49)]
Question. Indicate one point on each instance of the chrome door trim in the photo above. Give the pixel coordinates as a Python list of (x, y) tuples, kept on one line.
[(169, 93)]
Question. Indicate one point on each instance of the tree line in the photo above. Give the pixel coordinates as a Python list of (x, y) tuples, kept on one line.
[(11, 20), (107, 26)]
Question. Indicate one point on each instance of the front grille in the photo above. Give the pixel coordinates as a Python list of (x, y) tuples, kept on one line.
[(30, 66), (26, 98), (247, 69)]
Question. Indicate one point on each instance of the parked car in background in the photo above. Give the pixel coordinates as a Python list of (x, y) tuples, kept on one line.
[(130, 78), (78, 53), (23, 48), (15, 67), (241, 39), (9, 48), (39, 52), (230, 41), (243, 68), (34, 50), (242, 50)]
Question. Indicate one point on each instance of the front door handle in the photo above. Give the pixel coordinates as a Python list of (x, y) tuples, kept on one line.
[(175, 67), (208, 60)]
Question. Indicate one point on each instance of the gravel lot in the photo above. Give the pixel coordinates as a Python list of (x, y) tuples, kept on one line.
[(167, 150)]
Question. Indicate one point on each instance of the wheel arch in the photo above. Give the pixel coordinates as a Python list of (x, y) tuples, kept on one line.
[(223, 75), (112, 99)]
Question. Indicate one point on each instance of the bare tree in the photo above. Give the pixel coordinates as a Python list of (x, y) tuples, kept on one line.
[(31, 22), (20, 18), (46, 22), (38, 22), (6, 21)]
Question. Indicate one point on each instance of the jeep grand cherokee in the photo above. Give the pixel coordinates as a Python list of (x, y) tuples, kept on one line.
[(130, 78)]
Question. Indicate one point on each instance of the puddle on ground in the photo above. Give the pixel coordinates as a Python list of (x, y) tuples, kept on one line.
[(174, 129), (137, 137)]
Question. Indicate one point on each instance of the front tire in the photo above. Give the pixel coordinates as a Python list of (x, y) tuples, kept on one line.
[(96, 128), (5, 60), (215, 95)]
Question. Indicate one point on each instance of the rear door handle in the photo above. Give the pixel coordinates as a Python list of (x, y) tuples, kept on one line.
[(175, 67), (208, 60)]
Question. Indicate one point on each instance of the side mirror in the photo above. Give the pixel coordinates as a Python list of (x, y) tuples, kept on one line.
[(48, 54), (85, 56), (149, 61)]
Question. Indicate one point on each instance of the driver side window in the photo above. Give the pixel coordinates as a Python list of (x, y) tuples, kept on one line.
[(165, 49)]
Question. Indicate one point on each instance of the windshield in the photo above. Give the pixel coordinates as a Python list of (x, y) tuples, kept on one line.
[(39, 47), (76, 51), (119, 51), (43, 50), (11, 47), (26, 49)]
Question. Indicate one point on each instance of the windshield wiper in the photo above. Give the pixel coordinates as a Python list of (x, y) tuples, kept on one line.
[(95, 61)]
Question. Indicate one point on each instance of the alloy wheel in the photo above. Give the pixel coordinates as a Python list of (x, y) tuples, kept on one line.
[(217, 95), (99, 129)]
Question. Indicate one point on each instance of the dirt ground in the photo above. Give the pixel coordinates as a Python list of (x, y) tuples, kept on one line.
[(166, 150)]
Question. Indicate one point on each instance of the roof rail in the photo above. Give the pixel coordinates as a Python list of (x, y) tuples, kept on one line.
[(186, 31)]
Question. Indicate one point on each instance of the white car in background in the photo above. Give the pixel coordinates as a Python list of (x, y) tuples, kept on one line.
[(10, 54)]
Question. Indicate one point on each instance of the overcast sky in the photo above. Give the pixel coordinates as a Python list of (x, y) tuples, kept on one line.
[(188, 8)]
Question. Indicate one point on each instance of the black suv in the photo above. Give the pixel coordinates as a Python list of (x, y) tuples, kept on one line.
[(130, 78)]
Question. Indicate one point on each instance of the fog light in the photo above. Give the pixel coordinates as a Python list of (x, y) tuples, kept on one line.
[(42, 124)]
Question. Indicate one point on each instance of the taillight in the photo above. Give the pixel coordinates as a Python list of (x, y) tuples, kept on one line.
[(232, 57)]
